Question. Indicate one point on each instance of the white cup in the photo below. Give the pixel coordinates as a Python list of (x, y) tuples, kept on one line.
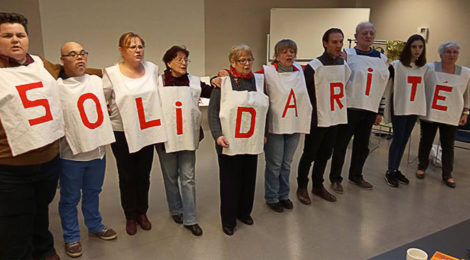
[(416, 254)]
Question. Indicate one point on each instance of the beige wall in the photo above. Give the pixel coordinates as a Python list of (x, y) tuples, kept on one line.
[(30, 9), (99, 24), (446, 19), (228, 23), (209, 28)]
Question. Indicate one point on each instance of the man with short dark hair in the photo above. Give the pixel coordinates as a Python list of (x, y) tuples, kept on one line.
[(326, 77), (29, 131)]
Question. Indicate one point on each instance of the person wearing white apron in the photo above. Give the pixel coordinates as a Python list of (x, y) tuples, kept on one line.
[(31, 124), (130, 88), (406, 100), (180, 94), (326, 78), (82, 150), (364, 91), (237, 118), (447, 96), (288, 117)]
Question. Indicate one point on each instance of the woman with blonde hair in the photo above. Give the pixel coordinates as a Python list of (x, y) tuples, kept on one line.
[(131, 90)]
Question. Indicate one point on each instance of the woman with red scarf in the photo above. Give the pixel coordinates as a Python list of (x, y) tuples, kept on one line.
[(178, 155), (237, 115)]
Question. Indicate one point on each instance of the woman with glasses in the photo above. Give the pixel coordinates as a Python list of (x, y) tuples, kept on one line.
[(407, 100), (180, 93), (131, 90), (447, 96), (237, 115)]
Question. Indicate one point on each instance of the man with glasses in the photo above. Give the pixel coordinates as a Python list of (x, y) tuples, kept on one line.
[(82, 151)]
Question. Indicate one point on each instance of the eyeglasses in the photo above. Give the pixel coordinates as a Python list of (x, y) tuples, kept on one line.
[(243, 61), (75, 54), (134, 47), (181, 60), (451, 52)]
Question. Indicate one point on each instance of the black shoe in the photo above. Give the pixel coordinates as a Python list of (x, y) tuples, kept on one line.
[(228, 230), (276, 206), (362, 183), (195, 229), (178, 218), (337, 187), (391, 179), (400, 177), (449, 183), (324, 194), (287, 204), (248, 220)]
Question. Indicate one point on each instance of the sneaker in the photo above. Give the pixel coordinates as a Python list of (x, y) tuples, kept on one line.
[(106, 234), (287, 204), (276, 206), (73, 249), (391, 179), (362, 183), (401, 178)]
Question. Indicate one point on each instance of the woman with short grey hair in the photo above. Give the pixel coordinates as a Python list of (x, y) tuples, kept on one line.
[(237, 114), (447, 107)]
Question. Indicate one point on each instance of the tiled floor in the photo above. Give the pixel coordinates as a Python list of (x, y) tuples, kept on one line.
[(361, 224)]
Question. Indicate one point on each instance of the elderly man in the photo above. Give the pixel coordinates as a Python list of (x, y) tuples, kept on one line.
[(325, 77), (82, 151), (29, 131), (364, 91)]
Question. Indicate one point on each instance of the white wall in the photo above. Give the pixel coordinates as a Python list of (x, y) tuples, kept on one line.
[(97, 25)]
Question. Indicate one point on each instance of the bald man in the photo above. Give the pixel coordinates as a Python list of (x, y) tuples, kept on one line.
[(364, 90), (82, 152)]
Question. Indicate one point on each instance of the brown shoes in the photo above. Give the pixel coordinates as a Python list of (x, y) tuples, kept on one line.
[(324, 194), (73, 249), (131, 227), (420, 174), (106, 234), (337, 187), (302, 195), (144, 222)]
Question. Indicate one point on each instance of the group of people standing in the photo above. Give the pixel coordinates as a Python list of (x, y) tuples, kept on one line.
[(56, 121)]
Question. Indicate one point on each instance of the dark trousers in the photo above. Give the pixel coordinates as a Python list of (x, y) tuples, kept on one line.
[(25, 194), (134, 176), (318, 147), (402, 128), (359, 125), (447, 137), (237, 186)]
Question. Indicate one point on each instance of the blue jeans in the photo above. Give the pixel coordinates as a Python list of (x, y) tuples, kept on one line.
[(179, 165), (402, 128), (279, 151), (80, 180)]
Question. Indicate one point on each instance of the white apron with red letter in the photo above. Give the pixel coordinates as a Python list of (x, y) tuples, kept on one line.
[(409, 93), (330, 82), (181, 115), (243, 117), (30, 108), (139, 107), (368, 80), (290, 110), (87, 124), (446, 94)]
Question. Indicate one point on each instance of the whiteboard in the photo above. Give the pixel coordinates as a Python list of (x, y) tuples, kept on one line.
[(306, 27)]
